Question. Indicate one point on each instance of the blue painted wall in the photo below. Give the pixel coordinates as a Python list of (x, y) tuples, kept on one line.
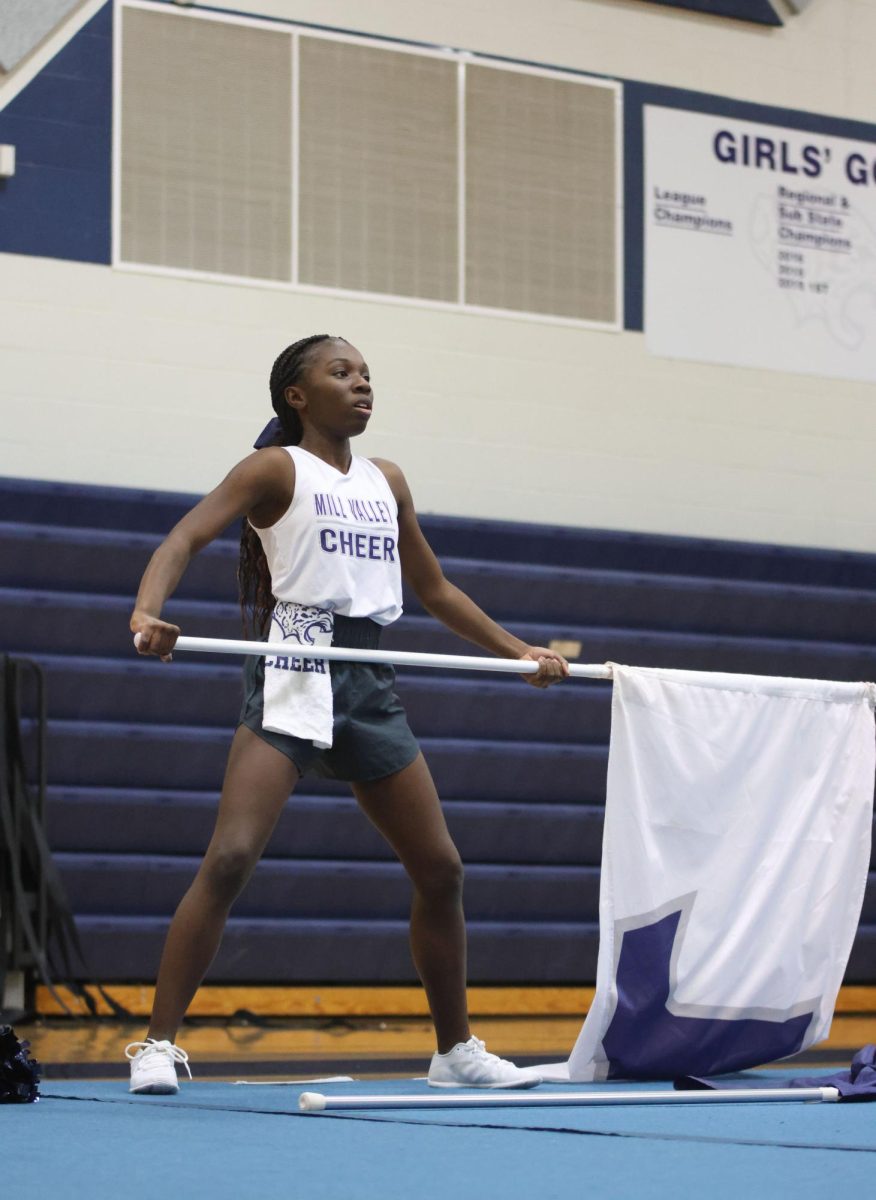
[(58, 203)]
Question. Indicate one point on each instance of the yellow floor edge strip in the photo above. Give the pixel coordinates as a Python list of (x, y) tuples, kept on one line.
[(334, 1001)]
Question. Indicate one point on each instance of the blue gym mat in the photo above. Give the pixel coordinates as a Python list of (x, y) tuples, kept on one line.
[(225, 1140)]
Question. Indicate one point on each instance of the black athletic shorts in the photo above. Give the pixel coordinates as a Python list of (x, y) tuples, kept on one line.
[(371, 736)]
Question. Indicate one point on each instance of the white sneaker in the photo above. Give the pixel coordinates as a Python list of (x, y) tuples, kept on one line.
[(469, 1064), (153, 1066)]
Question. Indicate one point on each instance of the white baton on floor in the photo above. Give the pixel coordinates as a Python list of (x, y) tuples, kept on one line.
[(398, 658), (315, 1102)]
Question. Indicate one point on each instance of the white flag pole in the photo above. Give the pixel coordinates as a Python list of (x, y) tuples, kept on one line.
[(399, 658), (317, 1102)]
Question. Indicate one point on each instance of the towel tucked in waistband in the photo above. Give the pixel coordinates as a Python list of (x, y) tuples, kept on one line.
[(298, 696), (298, 691)]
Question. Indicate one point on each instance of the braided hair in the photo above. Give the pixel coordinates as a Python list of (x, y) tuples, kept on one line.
[(253, 577)]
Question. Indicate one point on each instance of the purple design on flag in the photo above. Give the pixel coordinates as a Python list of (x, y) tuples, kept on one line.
[(652, 1036)]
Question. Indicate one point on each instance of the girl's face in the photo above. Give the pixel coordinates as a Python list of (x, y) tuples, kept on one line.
[(334, 395)]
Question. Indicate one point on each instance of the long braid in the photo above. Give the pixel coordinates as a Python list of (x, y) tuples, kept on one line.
[(253, 577)]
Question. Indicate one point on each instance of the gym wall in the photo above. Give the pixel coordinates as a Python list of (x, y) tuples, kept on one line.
[(154, 378)]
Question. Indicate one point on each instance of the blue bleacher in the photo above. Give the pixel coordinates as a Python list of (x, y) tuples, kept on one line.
[(137, 748)]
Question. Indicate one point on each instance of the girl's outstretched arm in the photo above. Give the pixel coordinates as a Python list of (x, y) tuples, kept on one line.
[(261, 487), (448, 603)]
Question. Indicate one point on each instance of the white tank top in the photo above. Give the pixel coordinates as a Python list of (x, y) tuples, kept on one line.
[(336, 546)]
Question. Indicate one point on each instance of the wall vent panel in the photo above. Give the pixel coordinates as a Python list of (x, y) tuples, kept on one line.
[(206, 145), (378, 200), (540, 195)]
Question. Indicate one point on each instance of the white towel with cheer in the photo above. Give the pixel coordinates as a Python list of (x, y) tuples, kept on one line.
[(298, 691)]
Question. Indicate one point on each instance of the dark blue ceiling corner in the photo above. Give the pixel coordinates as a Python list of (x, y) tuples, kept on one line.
[(761, 12), (58, 202)]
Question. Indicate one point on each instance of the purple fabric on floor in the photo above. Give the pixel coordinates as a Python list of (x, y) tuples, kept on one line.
[(858, 1083)]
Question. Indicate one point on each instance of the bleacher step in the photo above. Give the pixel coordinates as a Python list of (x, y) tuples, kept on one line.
[(52, 504), (300, 951), (119, 949), (105, 562), (193, 688), (57, 623), (113, 754), (165, 821), (153, 885)]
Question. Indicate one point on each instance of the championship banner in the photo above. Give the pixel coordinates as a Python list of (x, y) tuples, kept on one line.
[(760, 245), (735, 857)]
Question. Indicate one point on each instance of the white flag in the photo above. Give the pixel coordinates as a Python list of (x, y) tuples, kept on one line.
[(735, 856)]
